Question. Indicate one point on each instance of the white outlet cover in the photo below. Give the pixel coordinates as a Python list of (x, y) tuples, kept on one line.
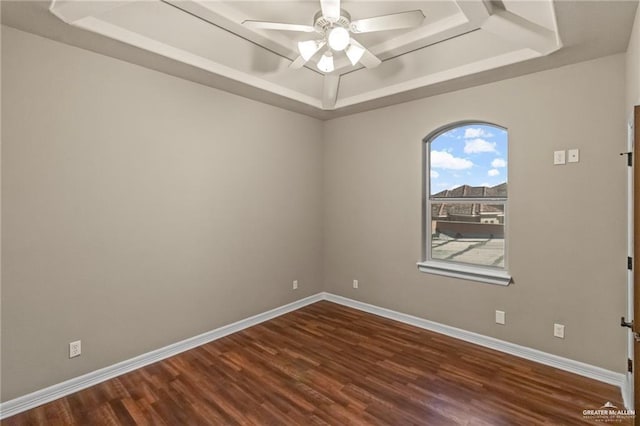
[(75, 349), (355, 283), (573, 155), (500, 317), (295, 284), (559, 157), (558, 330)]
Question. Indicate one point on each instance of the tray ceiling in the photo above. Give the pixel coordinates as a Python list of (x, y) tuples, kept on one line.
[(458, 41)]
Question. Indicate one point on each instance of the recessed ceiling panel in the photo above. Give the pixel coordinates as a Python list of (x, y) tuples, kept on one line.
[(456, 38), (535, 13), (302, 12), (474, 52), (165, 24)]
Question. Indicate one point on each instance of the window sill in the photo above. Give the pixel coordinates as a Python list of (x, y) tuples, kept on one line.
[(466, 272)]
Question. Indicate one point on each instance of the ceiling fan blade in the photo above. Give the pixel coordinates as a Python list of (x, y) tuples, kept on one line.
[(368, 59), (330, 9), (330, 90), (262, 25), (308, 50), (298, 63), (394, 21)]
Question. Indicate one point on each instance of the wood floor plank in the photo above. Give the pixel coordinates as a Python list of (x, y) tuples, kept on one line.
[(327, 364)]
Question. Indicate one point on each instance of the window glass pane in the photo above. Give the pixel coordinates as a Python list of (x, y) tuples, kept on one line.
[(469, 161), (468, 232)]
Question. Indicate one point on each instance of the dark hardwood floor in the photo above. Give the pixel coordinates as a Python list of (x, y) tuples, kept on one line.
[(328, 364)]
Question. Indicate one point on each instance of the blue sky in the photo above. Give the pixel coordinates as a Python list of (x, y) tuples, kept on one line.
[(474, 154)]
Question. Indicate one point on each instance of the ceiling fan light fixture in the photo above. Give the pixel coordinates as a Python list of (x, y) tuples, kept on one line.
[(338, 38), (335, 26), (325, 64), (309, 48), (354, 53)]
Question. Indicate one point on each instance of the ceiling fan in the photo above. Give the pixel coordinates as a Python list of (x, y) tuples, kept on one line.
[(335, 27)]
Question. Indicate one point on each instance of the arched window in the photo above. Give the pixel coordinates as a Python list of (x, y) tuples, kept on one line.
[(465, 202)]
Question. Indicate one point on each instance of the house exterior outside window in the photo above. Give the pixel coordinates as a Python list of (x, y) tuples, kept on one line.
[(465, 202)]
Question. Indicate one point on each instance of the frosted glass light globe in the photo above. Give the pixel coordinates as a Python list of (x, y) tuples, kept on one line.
[(338, 38), (308, 48), (325, 64)]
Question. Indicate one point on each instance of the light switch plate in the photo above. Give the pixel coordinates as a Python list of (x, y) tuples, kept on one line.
[(559, 157), (558, 330)]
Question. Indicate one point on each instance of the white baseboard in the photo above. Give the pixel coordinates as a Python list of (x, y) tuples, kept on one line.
[(566, 364), (76, 384)]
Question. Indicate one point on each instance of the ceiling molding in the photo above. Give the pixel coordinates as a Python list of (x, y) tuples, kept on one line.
[(330, 91), (461, 43), (71, 11), (522, 32), (439, 77), (203, 10), (119, 21), (135, 39)]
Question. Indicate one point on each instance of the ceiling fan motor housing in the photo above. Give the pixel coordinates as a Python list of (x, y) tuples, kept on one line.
[(322, 24)]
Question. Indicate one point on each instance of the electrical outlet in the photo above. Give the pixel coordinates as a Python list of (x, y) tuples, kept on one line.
[(500, 317), (559, 157), (295, 284), (355, 283), (75, 349), (558, 330), (573, 155)]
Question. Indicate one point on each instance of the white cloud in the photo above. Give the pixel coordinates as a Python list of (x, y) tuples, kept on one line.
[(493, 172), (498, 162), (479, 145), (435, 174), (444, 160), (476, 132)]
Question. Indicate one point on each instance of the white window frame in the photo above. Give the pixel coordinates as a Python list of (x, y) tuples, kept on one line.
[(450, 268)]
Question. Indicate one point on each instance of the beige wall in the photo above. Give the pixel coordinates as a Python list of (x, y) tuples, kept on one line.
[(568, 264), (633, 65), (140, 209)]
